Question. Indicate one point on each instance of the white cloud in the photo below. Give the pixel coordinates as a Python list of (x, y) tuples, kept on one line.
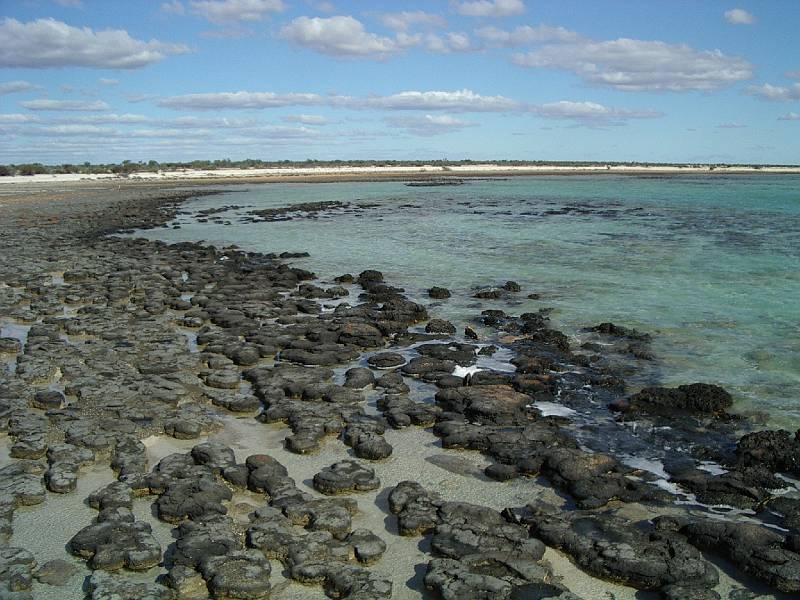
[(526, 35), (106, 119), (638, 65), (48, 43), (739, 16), (591, 113), (429, 124), (457, 101), (70, 3), (775, 93), (450, 42), (452, 101), (239, 100), (306, 119), (15, 87), (343, 36), (175, 7), (74, 130), (490, 8), (65, 105), (107, 81), (231, 11), (402, 21), (15, 118), (731, 125), (790, 116)]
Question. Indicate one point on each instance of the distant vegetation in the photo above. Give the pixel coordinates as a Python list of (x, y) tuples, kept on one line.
[(127, 167)]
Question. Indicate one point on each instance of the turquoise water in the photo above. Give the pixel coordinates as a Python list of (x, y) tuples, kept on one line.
[(711, 265)]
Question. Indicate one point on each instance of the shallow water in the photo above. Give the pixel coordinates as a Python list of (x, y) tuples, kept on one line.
[(708, 264)]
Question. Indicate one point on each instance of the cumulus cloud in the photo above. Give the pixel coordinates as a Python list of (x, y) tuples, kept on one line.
[(403, 21), (65, 105), (639, 65), (306, 119), (790, 116), (429, 124), (490, 8), (16, 87), (451, 42), (526, 35), (452, 101), (46, 43), (343, 36), (231, 11), (775, 93), (739, 16), (591, 113)]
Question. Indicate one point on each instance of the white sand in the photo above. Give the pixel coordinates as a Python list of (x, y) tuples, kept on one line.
[(487, 169)]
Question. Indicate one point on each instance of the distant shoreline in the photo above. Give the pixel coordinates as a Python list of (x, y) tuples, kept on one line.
[(371, 173)]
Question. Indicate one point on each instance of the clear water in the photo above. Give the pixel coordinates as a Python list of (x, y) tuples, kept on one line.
[(711, 265)]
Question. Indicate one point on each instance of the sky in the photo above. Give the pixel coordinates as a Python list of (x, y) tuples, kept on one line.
[(597, 80)]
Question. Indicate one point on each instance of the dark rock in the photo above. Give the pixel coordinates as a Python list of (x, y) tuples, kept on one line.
[(695, 398), (439, 293), (346, 476), (777, 450), (243, 574), (117, 543), (105, 587), (49, 399), (761, 552), (612, 548), (386, 360), (358, 378), (440, 326)]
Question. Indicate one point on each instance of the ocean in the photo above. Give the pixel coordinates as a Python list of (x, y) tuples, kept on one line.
[(710, 265)]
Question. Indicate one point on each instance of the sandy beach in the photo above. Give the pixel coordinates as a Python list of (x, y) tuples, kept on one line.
[(359, 173)]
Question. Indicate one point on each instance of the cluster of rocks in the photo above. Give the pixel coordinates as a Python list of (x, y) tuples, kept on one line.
[(142, 338), (477, 553)]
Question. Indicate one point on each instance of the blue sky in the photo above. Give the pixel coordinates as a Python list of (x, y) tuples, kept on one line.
[(659, 81)]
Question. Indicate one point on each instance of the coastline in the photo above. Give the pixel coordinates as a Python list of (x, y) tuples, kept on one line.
[(389, 173), (53, 229)]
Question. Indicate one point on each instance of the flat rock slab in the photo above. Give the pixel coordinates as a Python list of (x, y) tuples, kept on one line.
[(344, 477)]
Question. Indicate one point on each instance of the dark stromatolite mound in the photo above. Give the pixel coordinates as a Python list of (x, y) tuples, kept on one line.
[(492, 576), (117, 540), (618, 550), (481, 554), (777, 450), (359, 378), (763, 553), (439, 293), (485, 404), (743, 488), (440, 326), (103, 586), (243, 574), (346, 476), (701, 398), (16, 571), (621, 332), (386, 360)]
